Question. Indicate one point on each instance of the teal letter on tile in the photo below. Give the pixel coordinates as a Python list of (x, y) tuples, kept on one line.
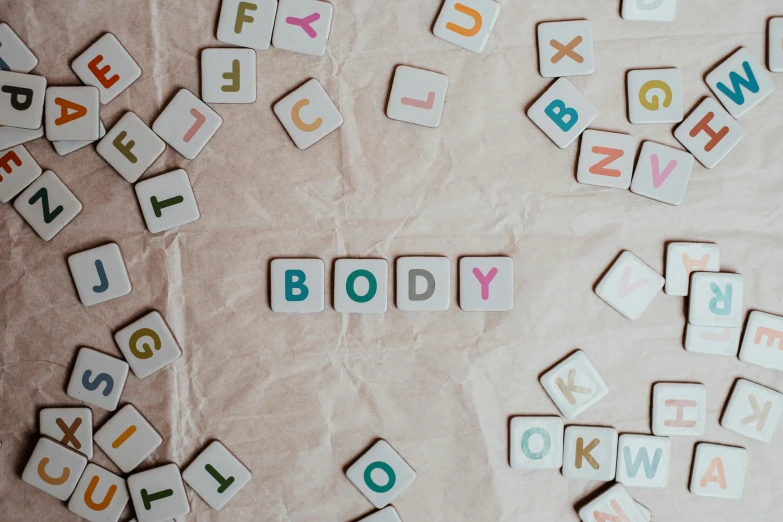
[(738, 82), (558, 112), (294, 280), (526, 443), (721, 303), (374, 485), (642, 459)]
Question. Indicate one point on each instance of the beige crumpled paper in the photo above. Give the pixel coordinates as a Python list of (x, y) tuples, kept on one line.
[(297, 398)]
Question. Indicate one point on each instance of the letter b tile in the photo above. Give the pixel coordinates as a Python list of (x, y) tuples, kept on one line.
[(158, 494), (574, 384), (100, 495), (486, 284), (716, 299), (216, 475), (562, 113), (753, 411), (98, 379), (590, 453), (381, 474), (719, 471), (99, 274), (148, 345), (128, 438), (54, 469), (297, 285), (423, 284)]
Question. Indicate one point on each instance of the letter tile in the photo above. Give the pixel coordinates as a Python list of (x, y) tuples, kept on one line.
[(762, 343), (718, 471), (387, 514), (361, 286), (187, 124), (99, 274), (308, 114), (131, 147), (536, 443), (21, 99), (297, 285), (613, 505), (381, 474), (100, 495), (47, 205), (775, 50), (709, 133), (158, 494), (417, 96), (98, 379), (148, 345), (716, 299), (247, 23), (650, 10), (562, 113), (228, 75), (740, 83), (302, 26), (629, 286), (662, 173), (574, 384), (167, 201), (467, 23), (643, 461), (13, 136), (590, 453), (54, 468), (679, 409), (128, 438), (486, 284), (606, 159), (14, 54), (682, 259), (655, 96), (565, 49), (423, 283), (713, 340), (216, 475), (107, 66), (17, 170), (753, 411), (71, 427), (63, 148), (72, 114)]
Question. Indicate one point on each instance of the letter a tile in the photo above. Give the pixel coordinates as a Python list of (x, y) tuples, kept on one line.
[(574, 384), (467, 23), (72, 114), (629, 286)]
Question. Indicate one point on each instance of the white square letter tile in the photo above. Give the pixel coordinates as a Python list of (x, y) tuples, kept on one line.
[(71, 427), (63, 148), (614, 504), (54, 469), (387, 514), (562, 113), (775, 51), (536, 442), (565, 48), (423, 283), (662, 173), (17, 170), (297, 285), (308, 114), (713, 340), (709, 133), (98, 379), (467, 23), (100, 495), (417, 96), (361, 286), (99, 274), (716, 299), (21, 99), (108, 66), (629, 286), (187, 124), (167, 201), (47, 205), (682, 259), (719, 471), (740, 83), (381, 474), (228, 75), (13, 136), (679, 409), (15, 55), (303, 26), (655, 96), (606, 159), (131, 147), (72, 114), (643, 461), (128, 438), (574, 384), (158, 494), (247, 24), (486, 284), (590, 453), (216, 475), (762, 343), (148, 345), (753, 411), (650, 10)]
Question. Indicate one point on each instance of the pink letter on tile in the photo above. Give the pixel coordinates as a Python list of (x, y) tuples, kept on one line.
[(200, 119), (485, 280)]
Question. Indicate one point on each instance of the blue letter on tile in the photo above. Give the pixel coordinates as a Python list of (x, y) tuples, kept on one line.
[(738, 82), (558, 112)]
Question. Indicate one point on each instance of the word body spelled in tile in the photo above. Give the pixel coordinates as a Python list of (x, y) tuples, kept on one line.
[(423, 283), (650, 10), (303, 26), (615, 504), (486, 284), (247, 23), (467, 23), (753, 411), (187, 124), (131, 147), (63, 148), (128, 438), (682, 259), (107, 66), (762, 343), (775, 50), (167, 201), (47, 205), (629, 286), (158, 494), (565, 48), (361, 285), (381, 474), (308, 114), (643, 461), (228, 75), (536, 442), (14, 54), (719, 471), (590, 453), (712, 340), (716, 299), (655, 96), (662, 173), (740, 83), (297, 285), (709, 133), (216, 475), (71, 427), (574, 384), (17, 170), (99, 274), (148, 345), (387, 514), (679, 409), (72, 114), (98, 379), (606, 159), (562, 113), (54, 469), (100, 495), (13, 136), (21, 99), (417, 96)]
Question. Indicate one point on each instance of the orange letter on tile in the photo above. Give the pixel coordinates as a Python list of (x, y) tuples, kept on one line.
[(54, 481), (101, 72), (69, 111), (301, 125), (612, 155), (103, 504), (465, 31), (710, 476), (704, 125), (5, 162), (691, 265), (770, 334)]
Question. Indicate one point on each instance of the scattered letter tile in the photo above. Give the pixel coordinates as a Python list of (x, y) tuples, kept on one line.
[(562, 113), (71, 427), (719, 471), (417, 96), (709, 133), (131, 147), (574, 384), (303, 26), (308, 114), (662, 173), (387, 514), (423, 283), (565, 48), (148, 345), (128, 438), (17, 170), (682, 259), (650, 10), (467, 23), (100, 495), (99, 274), (753, 411), (606, 159), (713, 340), (536, 442), (486, 284), (762, 343), (740, 83), (54, 469), (614, 504), (361, 286), (108, 66), (643, 461), (72, 114), (216, 475), (187, 124), (228, 75), (14, 54), (47, 205), (63, 148), (629, 286), (158, 494), (13, 136), (775, 51), (167, 201), (21, 99), (716, 299), (679, 409), (381, 474), (590, 453), (297, 285), (98, 379), (247, 23), (655, 96)]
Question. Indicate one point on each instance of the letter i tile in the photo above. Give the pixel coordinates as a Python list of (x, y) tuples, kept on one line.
[(47, 205), (574, 384), (187, 124), (562, 113), (98, 379), (297, 285), (99, 274), (128, 438), (72, 114), (709, 133), (753, 411), (108, 66), (536, 443), (629, 286), (590, 453), (467, 23), (719, 471), (679, 409), (762, 343), (613, 505), (54, 468), (167, 201), (158, 494), (131, 147), (486, 284), (216, 475), (100, 495), (381, 474), (228, 75)]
